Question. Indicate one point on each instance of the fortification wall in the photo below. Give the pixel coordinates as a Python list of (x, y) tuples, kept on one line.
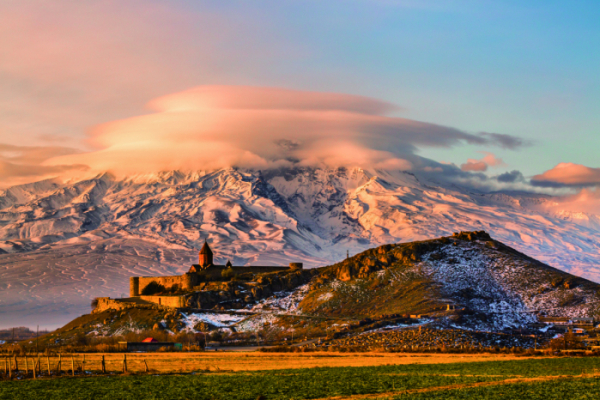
[(167, 301), (106, 303), (258, 270), (185, 281), (262, 270), (134, 286), (188, 280)]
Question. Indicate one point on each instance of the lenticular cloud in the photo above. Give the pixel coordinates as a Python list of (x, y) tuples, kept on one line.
[(213, 127), (570, 175)]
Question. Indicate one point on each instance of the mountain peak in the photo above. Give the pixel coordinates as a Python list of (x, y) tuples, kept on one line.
[(144, 223)]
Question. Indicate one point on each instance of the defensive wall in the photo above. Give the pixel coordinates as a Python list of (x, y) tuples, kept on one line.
[(188, 280), (106, 303)]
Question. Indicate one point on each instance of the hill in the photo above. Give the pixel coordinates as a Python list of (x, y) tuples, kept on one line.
[(465, 281), (491, 285)]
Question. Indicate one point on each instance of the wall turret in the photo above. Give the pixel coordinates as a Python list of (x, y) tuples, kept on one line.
[(134, 286)]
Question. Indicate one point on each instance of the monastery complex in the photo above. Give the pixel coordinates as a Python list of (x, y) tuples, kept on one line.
[(176, 291), (197, 274)]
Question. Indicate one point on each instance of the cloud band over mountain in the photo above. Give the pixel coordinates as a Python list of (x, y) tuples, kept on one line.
[(211, 127)]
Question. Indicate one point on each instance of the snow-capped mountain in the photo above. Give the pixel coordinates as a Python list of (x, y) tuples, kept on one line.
[(65, 243)]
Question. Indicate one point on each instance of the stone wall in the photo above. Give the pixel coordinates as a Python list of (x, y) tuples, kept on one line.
[(258, 270), (106, 303), (167, 301), (137, 284), (188, 280)]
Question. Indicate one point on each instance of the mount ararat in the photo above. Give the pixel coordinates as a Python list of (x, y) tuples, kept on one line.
[(64, 243)]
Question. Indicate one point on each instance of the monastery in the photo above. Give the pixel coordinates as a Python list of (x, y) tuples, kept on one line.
[(197, 274)]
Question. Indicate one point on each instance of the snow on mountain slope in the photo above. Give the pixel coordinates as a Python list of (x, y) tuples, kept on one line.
[(489, 285), (506, 289), (68, 242)]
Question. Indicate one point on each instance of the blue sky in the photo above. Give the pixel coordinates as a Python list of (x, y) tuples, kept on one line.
[(527, 69)]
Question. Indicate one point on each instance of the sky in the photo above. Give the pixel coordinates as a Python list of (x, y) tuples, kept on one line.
[(493, 94)]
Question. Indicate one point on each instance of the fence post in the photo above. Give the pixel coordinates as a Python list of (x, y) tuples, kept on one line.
[(103, 365), (26, 366), (58, 365), (83, 364), (5, 367), (146, 365), (124, 363), (72, 366), (48, 361), (16, 364), (34, 367)]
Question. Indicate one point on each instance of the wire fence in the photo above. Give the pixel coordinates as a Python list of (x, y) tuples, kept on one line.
[(43, 366)]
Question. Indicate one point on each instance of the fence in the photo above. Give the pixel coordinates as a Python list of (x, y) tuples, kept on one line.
[(37, 366)]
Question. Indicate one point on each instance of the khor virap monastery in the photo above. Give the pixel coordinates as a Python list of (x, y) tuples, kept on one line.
[(207, 285), (197, 274)]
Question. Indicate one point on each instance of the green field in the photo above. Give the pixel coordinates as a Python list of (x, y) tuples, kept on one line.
[(556, 378)]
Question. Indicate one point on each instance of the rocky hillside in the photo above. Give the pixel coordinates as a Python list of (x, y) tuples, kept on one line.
[(63, 243), (465, 281), (490, 285)]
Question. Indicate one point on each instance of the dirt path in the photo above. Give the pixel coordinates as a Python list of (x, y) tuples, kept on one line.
[(461, 386)]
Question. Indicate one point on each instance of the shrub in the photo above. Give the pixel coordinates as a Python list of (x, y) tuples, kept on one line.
[(203, 327), (567, 300), (227, 273), (81, 339)]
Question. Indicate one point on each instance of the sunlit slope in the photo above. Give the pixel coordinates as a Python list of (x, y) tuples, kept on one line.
[(490, 285)]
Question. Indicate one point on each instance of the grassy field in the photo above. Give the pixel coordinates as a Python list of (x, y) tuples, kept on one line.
[(251, 377), (182, 362)]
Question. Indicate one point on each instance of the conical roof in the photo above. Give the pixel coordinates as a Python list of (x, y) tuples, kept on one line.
[(205, 249)]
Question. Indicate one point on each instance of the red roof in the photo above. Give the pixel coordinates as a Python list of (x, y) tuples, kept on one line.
[(149, 340)]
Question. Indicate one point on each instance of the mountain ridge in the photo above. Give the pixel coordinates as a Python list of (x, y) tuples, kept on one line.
[(467, 281), (51, 231)]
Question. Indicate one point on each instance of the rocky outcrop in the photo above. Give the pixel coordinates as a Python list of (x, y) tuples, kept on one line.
[(380, 258), (238, 293)]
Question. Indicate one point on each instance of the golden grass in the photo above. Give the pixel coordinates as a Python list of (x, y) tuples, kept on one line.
[(251, 361)]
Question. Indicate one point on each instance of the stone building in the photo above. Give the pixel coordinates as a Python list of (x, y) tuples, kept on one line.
[(199, 272)]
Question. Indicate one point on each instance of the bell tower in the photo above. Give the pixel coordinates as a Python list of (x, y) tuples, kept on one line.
[(205, 257)]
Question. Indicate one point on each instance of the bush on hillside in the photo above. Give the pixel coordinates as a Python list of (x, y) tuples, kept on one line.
[(227, 274)]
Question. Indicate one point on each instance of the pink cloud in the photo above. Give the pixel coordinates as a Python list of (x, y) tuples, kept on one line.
[(24, 164), (568, 174), (212, 127), (70, 65), (267, 98), (489, 160)]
